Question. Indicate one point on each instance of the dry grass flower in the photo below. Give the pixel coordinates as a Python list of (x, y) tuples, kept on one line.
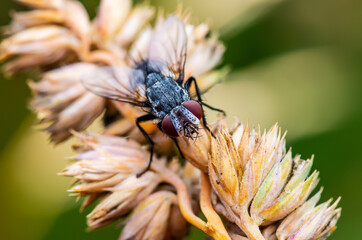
[(196, 151), (258, 183), (149, 219), (244, 181), (53, 33), (310, 221), (61, 101)]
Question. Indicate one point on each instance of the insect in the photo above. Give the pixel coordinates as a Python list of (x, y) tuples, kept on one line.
[(157, 85)]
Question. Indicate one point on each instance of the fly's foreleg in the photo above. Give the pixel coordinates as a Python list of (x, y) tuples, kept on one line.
[(159, 125), (178, 148), (198, 94), (214, 109), (145, 118)]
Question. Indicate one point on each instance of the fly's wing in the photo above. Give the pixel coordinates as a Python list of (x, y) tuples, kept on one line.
[(167, 50), (118, 83)]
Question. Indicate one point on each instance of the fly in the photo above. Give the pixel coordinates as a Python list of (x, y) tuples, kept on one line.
[(157, 85)]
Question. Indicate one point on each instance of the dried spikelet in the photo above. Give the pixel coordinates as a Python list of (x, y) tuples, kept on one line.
[(117, 25), (108, 165), (150, 218), (196, 151), (258, 183), (55, 32), (61, 101)]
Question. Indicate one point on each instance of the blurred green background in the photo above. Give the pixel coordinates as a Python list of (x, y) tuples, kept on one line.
[(295, 62)]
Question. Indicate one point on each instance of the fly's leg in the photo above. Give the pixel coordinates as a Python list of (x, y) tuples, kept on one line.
[(198, 94), (159, 125), (214, 109), (145, 118), (188, 85), (178, 147)]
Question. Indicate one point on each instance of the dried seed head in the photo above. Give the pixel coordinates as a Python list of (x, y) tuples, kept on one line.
[(269, 232), (278, 196), (196, 151), (69, 13), (204, 52), (258, 183), (38, 46), (59, 31), (23, 20), (111, 15), (61, 101), (178, 227), (105, 161), (54, 33), (223, 168), (107, 165), (122, 198), (310, 221), (117, 25), (151, 218), (138, 18)]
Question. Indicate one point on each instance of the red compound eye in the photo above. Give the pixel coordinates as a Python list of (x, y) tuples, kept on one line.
[(168, 127), (194, 107)]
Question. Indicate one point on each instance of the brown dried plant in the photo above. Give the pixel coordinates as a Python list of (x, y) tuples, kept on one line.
[(244, 181)]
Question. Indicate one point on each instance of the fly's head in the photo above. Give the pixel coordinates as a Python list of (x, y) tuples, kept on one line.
[(190, 130), (183, 120)]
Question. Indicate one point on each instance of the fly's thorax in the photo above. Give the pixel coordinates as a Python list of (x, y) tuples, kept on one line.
[(164, 94), (152, 78)]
